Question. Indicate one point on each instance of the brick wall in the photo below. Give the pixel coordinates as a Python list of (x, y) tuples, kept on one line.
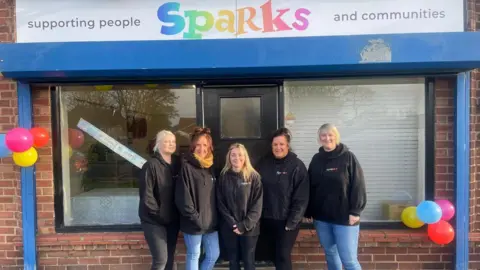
[(10, 200), (473, 12), (473, 23), (44, 165), (397, 249), (444, 151)]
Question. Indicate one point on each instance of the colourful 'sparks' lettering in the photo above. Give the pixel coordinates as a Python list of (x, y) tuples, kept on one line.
[(195, 23)]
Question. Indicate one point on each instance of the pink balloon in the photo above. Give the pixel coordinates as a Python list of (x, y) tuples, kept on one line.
[(19, 140), (448, 210)]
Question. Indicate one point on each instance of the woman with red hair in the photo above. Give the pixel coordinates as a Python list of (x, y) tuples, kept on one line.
[(195, 199)]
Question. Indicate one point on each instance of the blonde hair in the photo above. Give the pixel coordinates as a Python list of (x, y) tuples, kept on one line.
[(329, 127), (159, 138), (247, 171)]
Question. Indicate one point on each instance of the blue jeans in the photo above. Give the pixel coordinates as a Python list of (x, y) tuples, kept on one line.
[(211, 246), (340, 244)]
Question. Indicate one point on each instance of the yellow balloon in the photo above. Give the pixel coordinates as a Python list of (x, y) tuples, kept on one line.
[(410, 219), (103, 87), (151, 85), (27, 158)]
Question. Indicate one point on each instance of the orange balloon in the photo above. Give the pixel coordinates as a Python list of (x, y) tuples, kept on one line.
[(40, 136)]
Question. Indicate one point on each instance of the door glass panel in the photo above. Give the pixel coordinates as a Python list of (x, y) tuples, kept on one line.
[(240, 117)]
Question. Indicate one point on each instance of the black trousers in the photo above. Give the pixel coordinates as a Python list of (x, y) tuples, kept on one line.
[(239, 248), (276, 243), (162, 241)]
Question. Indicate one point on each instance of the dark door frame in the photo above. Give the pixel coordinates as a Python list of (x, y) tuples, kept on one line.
[(280, 99), (201, 122)]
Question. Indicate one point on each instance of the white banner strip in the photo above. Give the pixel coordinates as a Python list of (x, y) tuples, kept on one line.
[(111, 143)]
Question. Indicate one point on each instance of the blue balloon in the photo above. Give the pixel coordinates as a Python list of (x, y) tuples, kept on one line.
[(4, 151), (429, 212)]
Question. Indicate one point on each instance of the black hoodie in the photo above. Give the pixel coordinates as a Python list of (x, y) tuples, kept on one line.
[(285, 188), (156, 188), (337, 186), (195, 197), (240, 203)]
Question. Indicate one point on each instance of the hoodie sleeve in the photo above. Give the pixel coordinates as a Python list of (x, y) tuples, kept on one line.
[(255, 209), (183, 197), (222, 204), (357, 191), (146, 185), (301, 193)]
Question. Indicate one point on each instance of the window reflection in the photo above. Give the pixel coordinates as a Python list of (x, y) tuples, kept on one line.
[(100, 186), (240, 117)]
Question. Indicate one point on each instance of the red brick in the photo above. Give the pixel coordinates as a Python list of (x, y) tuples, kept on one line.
[(131, 260), (77, 267), (89, 261), (120, 267), (67, 261), (110, 260), (385, 266), (96, 267)]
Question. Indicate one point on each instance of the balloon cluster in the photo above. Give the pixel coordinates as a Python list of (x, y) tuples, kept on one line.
[(22, 144), (76, 139), (434, 213)]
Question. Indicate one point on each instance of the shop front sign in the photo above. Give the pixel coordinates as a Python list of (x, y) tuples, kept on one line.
[(90, 20)]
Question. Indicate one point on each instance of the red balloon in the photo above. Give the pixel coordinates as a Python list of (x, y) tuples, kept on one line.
[(441, 233), (75, 138), (40, 136)]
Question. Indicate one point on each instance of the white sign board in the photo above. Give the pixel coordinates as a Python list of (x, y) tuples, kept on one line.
[(108, 20), (111, 143)]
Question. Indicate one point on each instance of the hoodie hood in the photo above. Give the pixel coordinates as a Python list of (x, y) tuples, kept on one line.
[(162, 160), (190, 158), (338, 151)]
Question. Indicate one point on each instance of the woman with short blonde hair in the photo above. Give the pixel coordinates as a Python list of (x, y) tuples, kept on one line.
[(240, 202), (337, 199), (157, 210)]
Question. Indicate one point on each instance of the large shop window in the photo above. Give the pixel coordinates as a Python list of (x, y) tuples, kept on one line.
[(381, 121), (107, 132)]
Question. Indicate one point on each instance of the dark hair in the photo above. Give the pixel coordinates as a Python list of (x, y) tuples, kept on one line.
[(199, 132), (282, 132)]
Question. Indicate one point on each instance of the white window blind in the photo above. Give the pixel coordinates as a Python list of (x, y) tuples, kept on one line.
[(382, 123)]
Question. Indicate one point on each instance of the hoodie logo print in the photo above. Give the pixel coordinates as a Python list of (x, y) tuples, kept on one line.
[(279, 173), (331, 169)]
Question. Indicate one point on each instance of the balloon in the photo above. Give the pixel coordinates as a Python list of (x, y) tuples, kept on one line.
[(19, 140), (429, 212), (441, 233), (75, 138), (27, 158), (40, 137), (4, 151), (103, 87), (70, 151), (448, 210), (410, 219)]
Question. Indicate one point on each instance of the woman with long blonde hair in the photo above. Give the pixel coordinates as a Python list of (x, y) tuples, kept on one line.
[(240, 202)]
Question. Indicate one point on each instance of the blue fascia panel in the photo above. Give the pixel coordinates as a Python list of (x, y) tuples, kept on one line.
[(303, 56)]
